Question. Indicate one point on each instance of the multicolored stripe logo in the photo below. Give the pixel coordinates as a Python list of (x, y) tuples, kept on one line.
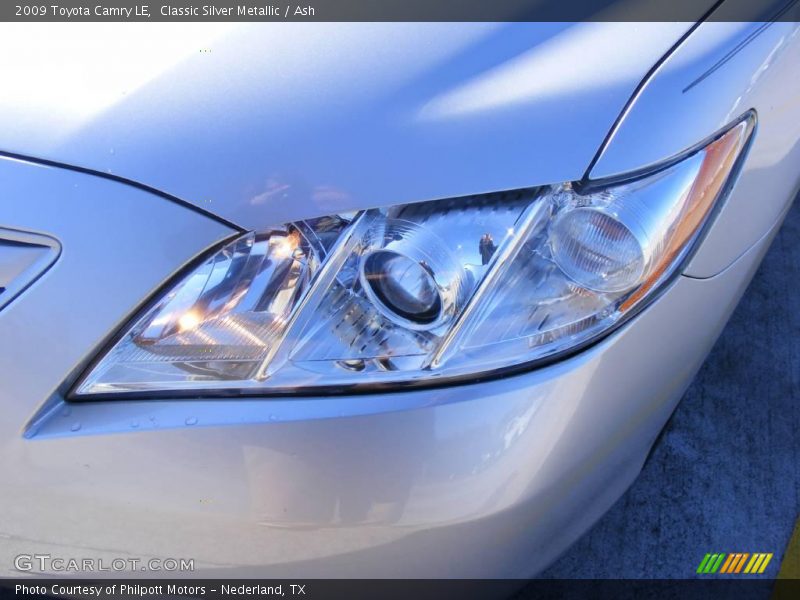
[(755, 563)]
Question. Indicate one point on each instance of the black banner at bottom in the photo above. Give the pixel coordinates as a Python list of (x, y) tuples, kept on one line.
[(390, 589)]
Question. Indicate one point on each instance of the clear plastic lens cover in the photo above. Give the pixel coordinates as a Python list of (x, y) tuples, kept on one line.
[(420, 292)]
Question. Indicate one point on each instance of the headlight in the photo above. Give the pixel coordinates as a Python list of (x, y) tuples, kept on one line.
[(422, 292)]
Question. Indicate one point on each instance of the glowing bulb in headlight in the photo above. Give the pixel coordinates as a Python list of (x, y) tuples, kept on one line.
[(188, 321), (284, 246), (596, 250), (402, 287)]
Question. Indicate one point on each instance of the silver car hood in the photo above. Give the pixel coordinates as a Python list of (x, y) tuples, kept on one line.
[(265, 123)]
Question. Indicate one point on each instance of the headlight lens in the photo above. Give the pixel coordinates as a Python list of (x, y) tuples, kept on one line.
[(421, 292), (402, 288), (596, 250)]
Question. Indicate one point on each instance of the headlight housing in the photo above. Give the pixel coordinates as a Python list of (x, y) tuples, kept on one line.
[(424, 292)]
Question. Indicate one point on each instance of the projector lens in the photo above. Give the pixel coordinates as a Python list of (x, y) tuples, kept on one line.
[(403, 287)]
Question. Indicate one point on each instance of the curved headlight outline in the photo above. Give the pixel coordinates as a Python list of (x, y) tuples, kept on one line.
[(652, 290)]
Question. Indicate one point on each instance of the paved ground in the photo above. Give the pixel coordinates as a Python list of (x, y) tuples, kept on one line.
[(726, 474)]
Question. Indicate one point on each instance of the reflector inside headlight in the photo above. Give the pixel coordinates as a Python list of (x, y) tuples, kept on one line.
[(420, 292)]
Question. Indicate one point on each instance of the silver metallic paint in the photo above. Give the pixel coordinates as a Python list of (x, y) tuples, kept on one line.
[(720, 71), (281, 121)]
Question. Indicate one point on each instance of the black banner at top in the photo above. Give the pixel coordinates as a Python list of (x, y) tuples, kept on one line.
[(397, 10)]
